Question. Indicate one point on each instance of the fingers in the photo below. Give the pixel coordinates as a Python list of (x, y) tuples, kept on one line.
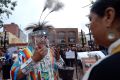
[(45, 51), (39, 46), (41, 51)]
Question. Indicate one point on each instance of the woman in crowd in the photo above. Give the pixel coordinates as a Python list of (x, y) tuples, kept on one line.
[(105, 27)]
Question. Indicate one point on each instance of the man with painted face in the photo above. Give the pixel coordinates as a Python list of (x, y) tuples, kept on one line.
[(42, 65)]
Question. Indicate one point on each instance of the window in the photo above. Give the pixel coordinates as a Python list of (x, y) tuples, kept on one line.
[(71, 37)]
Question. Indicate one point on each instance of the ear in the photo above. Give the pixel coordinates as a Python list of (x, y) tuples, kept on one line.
[(109, 16)]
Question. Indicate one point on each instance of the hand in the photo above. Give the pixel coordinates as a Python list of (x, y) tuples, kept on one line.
[(40, 52)]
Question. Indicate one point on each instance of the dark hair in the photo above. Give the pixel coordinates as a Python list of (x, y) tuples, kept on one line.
[(100, 6), (40, 27)]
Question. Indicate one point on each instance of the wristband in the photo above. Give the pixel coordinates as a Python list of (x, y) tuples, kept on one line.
[(28, 66)]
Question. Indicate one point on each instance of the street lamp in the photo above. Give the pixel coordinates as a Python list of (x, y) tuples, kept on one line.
[(4, 46), (4, 40), (82, 39), (90, 41), (6, 63), (88, 26)]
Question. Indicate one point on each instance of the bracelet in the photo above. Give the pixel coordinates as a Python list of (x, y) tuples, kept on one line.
[(28, 66)]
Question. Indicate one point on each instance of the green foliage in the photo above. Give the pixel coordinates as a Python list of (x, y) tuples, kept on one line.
[(6, 8)]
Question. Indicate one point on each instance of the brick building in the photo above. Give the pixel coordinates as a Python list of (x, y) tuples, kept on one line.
[(65, 37), (15, 30)]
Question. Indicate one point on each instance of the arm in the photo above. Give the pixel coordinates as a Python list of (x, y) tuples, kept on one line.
[(21, 74), (17, 69)]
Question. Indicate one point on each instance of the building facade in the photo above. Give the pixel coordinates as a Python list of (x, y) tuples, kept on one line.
[(65, 37), (15, 30), (10, 40)]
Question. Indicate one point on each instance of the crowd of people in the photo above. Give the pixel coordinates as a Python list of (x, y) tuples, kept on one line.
[(40, 60)]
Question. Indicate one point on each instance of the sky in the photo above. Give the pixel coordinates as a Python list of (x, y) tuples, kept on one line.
[(72, 15)]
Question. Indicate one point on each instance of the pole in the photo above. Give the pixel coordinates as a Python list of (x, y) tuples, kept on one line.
[(82, 38), (90, 35), (7, 64), (90, 42), (4, 46), (90, 38), (76, 62)]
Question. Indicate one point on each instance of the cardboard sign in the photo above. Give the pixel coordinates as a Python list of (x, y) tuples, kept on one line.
[(70, 54)]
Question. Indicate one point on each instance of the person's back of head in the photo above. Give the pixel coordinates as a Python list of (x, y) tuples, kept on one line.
[(105, 17), (100, 6)]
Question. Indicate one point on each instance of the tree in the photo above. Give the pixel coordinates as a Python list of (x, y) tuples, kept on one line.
[(6, 8)]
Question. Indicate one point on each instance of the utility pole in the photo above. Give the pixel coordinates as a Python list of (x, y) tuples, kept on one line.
[(90, 41), (4, 46), (82, 39)]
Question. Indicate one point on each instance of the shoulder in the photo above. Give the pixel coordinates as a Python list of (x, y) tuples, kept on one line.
[(104, 69)]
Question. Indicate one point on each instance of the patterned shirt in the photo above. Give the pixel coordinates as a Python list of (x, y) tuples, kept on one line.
[(47, 68)]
